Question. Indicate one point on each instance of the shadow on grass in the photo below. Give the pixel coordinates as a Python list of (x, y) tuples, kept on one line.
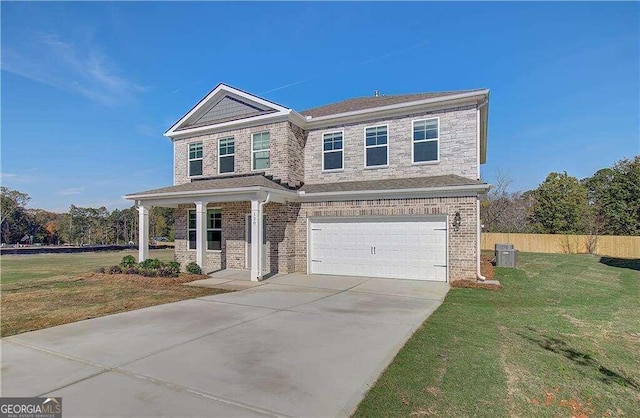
[(558, 346), (625, 263)]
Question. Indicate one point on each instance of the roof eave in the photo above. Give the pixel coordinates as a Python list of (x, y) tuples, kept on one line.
[(462, 189), (207, 192), (395, 108)]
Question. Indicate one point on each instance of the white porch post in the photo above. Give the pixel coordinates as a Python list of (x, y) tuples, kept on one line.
[(201, 233), (256, 238), (143, 233)]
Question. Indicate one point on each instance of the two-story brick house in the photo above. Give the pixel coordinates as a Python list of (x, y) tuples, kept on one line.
[(381, 186)]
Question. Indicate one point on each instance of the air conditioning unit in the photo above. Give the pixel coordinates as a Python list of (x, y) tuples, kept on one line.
[(505, 255)]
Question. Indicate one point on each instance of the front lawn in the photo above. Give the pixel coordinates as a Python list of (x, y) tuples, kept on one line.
[(562, 338), (45, 290)]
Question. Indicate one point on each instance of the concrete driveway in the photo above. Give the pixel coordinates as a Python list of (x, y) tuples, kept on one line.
[(296, 346)]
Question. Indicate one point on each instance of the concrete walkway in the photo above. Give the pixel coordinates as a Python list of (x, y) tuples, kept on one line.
[(296, 345)]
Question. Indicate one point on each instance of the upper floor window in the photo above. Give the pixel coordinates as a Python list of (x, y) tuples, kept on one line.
[(260, 151), (195, 159), (332, 151), (214, 229), (426, 134), (376, 146), (226, 155)]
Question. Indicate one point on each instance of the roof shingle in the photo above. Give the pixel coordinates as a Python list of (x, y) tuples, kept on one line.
[(391, 184), (361, 103), (251, 180)]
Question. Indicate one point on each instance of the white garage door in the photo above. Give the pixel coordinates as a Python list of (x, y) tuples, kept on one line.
[(402, 248)]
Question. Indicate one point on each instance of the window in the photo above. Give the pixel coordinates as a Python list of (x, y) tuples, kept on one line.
[(260, 151), (226, 155), (332, 151), (376, 146), (426, 134), (214, 229), (195, 159)]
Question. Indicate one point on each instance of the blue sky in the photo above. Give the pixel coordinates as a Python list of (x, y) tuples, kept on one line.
[(89, 88)]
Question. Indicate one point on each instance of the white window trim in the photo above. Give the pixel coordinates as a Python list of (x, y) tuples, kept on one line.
[(364, 136), (332, 170), (227, 155), (413, 123), (253, 152), (195, 159), (205, 232)]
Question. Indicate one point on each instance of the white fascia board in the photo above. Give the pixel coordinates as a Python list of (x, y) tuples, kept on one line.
[(484, 113), (395, 109), (220, 90), (234, 124), (210, 192), (470, 190), (297, 118)]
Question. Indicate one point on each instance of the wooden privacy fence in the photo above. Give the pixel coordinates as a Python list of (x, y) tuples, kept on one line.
[(608, 245)]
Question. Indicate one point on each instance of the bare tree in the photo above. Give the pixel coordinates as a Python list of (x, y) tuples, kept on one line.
[(503, 210)]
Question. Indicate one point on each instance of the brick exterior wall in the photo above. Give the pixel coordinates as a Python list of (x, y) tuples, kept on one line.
[(287, 230), (296, 156), (462, 243), (286, 147), (457, 149)]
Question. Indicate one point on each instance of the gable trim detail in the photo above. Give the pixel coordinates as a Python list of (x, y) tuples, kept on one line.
[(213, 98)]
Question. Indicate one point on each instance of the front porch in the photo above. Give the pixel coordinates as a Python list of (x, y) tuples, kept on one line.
[(217, 223)]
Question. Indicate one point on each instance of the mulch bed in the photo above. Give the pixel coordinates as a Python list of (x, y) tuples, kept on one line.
[(475, 284), (487, 270), (142, 280)]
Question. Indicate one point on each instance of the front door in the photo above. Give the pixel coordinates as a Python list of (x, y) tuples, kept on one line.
[(248, 243)]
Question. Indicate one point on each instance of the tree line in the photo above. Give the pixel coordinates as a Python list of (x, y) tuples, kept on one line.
[(78, 226), (607, 203)]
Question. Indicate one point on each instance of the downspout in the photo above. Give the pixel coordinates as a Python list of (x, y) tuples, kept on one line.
[(478, 225), (261, 226)]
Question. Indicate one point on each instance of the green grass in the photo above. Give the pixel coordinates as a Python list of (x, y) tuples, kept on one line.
[(22, 269), (45, 290), (562, 338)]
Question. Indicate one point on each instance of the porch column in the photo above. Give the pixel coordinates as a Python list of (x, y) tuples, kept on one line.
[(256, 238), (143, 233), (201, 233)]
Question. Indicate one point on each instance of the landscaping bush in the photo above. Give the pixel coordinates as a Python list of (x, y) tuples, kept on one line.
[(193, 268), (148, 273), (148, 268), (128, 261), (151, 264), (101, 270), (174, 267), (115, 270), (167, 271)]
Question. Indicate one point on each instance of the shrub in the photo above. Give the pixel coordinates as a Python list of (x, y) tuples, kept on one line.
[(193, 268), (115, 270), (101, 270), (148, 273), (167, 271), (174, 267), (128, 261), (151, 264), (131, 270)]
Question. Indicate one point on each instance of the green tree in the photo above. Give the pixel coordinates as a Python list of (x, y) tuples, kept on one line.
[(614, 196), (560, 205), (15, 222)]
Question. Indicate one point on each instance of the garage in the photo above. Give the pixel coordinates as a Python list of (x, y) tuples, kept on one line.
[(391, 247)]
